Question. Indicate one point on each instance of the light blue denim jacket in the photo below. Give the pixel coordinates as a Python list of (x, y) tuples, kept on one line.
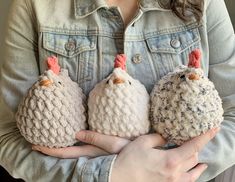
[(86, 35)]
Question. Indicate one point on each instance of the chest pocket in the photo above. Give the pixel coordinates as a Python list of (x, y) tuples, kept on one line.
[(170, 50), (75, 52)]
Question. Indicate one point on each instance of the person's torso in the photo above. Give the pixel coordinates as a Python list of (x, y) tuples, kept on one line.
[(86, 35)]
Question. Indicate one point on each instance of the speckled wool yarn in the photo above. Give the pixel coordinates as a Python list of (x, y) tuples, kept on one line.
[(182, 108), (53, 111), (120, 109)]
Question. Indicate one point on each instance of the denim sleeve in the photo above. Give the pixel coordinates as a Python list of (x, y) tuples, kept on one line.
[(18, 71), (219, 153)]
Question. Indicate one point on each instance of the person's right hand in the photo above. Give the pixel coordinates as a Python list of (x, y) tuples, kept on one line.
[(140, 161)]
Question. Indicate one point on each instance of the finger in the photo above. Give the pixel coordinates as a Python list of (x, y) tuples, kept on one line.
[(189, 163), (189, 148), (194, 174), (111, 144), (71, 152), (151, 140)]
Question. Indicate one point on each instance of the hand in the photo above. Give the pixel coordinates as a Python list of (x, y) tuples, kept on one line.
[(140, 161), (99, 145)]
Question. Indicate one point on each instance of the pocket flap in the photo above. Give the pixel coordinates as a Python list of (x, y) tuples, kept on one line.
[(68, 45), (173, 43)]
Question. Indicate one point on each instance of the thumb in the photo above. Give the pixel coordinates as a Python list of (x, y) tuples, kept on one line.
[(151, 140)]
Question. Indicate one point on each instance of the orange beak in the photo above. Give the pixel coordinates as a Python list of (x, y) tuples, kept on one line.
[(45, 83), (193, 76), (118, 81)]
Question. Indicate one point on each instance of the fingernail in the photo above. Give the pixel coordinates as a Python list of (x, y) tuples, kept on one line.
[(80, 135), (36, 148), (216, 130), (205, 166)]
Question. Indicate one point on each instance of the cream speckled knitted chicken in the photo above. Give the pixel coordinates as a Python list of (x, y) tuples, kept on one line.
[(185, 103), (53, 110), (119, 104)]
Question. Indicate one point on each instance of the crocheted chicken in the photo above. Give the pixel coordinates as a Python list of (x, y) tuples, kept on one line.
[(119, 104), (185, 103), (53, 110)]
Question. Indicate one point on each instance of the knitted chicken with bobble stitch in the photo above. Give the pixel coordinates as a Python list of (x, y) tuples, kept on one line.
[(53, 110), (119, 104), (185, 103)]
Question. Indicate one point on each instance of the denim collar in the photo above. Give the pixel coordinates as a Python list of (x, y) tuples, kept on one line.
[(84, 8)]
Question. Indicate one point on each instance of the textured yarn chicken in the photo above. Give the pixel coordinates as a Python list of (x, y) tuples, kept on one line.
[(119, 104), (185, 103), (53, 110)]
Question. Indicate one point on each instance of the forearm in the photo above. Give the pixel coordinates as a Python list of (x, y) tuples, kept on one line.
[(219, 153), (21, 162)]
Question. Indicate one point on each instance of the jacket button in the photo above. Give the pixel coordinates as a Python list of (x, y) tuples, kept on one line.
[(175, 43), (137, 59), (70, 45)]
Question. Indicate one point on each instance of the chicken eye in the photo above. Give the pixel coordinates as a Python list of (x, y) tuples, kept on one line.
[(129, 82), (60, 83), (182, 77)]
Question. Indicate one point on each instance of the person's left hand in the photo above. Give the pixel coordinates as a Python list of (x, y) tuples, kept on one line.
[(98, 145)]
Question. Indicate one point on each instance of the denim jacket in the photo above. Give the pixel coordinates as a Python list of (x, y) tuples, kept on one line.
[(86, 35)]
